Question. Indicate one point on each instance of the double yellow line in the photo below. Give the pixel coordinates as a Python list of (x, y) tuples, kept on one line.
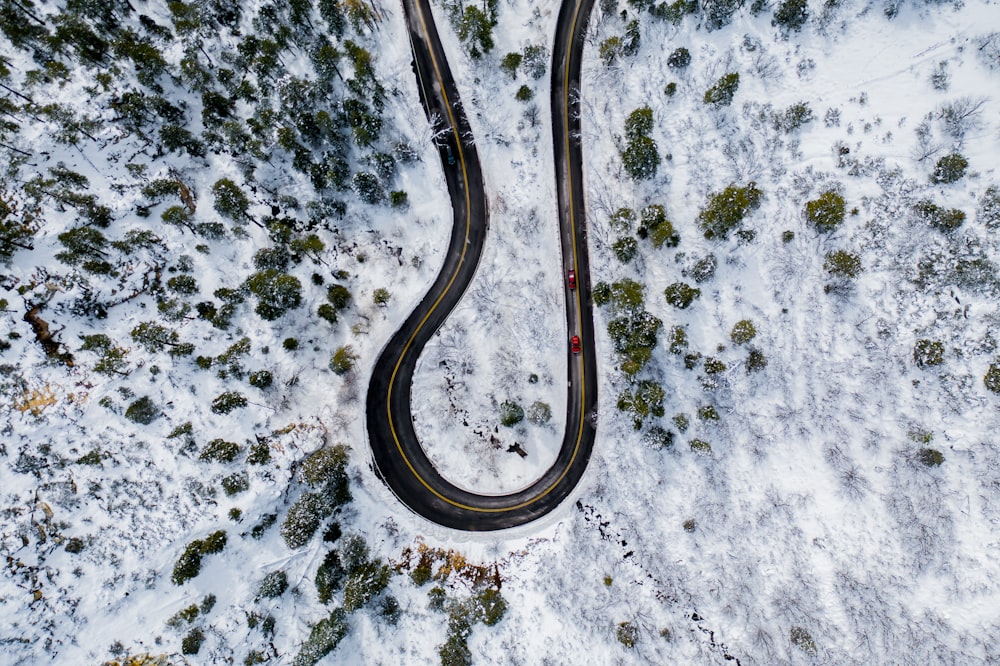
[(468, 208)]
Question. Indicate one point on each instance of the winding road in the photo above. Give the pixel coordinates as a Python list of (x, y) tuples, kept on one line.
[(400, 460)]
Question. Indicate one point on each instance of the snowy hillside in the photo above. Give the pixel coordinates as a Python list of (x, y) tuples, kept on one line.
[(214, 214)]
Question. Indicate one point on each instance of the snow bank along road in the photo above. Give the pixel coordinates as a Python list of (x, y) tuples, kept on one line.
[(399, 459)]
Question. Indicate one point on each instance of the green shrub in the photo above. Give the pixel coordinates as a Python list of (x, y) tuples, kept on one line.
[(678, 340), (143, 411), (949, 168), (992, 377), (743, 332), (364, 584), (708, 413), (511, 413), (827, 211), (342, 360), (436, 597), (381, 297), (610, 50), (329, 576), (627, 634), (230, 201), (655, 226), (188, 566), (272, 258), (261, 379), (489, 606), (191, 643), (304, 518), (421, 574), (332, 532), (791, 14), (183, 284), (266, 521), (323, 464), (658, 438), (272, 585), (681, 421), (928, 353), (524, 94), (938, 217), (539, 413), (674, 11), (681, 295), (220, 450), (704, 269), (225, 403), (700, 446), (327, 312), (988, 211), (645, 400), (930, 457), (290, 344), (801, 639), (214, 542), (260, 452), (641, 158), (726, 210), (621, 220), (721, 93), (679, 59), (390, 610), (510, 62), (625, 249), (639, 123), (399, 199), (794, 117), (756, 361), (339, 296), (324, 636), (602, 293), (183, 617), (843, 264), (276, 293), (714, 366), (235, 483)]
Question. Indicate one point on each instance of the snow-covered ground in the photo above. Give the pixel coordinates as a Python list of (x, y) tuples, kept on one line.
[(812, 515)]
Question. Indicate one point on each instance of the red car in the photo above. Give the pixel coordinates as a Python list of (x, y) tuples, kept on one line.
[(571, 278), (574, 344)]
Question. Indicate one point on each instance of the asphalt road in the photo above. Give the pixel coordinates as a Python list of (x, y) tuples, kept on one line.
[(399, 459)]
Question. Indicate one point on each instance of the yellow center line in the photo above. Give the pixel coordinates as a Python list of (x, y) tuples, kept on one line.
[(468, 208)]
